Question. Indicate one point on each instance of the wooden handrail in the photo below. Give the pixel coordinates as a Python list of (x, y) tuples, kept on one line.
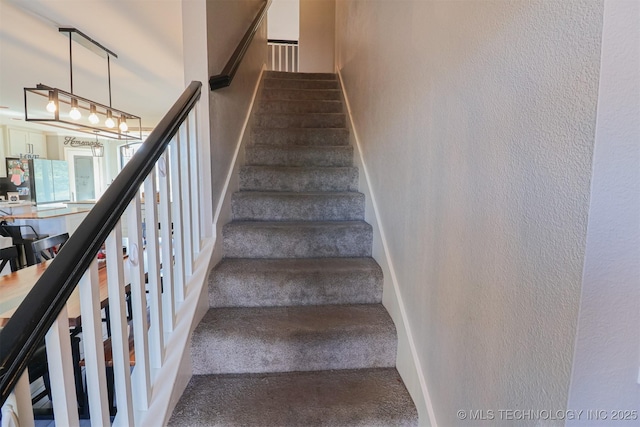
[(225, 78)]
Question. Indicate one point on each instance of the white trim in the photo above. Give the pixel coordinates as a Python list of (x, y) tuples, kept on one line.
[(170, 380), (402, 324)]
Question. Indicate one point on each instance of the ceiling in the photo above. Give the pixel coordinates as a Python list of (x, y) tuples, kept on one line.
[(146, 78)]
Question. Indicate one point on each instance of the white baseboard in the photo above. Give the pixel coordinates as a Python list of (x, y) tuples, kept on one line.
[(407, 363)]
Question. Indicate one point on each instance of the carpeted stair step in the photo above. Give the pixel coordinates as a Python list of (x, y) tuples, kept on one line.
[(304, 120), (282, 178), (293, 106), (250, 239), (299, 338), (300, 136), (313, 206), (280, 282), (296, 156), (309, 76), (354, 398), (306, 94), (276, 83)]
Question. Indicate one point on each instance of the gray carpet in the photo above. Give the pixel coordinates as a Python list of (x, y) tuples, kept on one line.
[(296, 334)]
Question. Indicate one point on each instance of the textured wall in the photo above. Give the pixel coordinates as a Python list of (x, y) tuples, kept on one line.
[(317, 29), (284, 20), (607, 358), (477, 124), (227, 22)]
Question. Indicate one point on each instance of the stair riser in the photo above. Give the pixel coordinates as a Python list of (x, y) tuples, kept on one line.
[(267, 283), (299, 107), (280, 121), (314, 137), (299, 156), (272, 83), (257, 178), (304, 94), (273, 207), (299, 76), (244, 241)]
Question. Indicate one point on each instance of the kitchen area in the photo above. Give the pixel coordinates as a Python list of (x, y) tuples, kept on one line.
[(50, 181)]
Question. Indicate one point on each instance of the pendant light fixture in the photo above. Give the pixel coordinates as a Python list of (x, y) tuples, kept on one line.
[(56, 107)]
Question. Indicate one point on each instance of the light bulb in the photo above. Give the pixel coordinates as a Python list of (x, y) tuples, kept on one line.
[(109, 122), (93, 117), (74, 113), (51, 106), (123, 125)]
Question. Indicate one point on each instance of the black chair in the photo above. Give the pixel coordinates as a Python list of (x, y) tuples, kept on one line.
[(22, 241), (47, 248), (9, 255)]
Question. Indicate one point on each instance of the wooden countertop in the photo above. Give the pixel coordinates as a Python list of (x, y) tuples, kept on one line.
[(46, 213)]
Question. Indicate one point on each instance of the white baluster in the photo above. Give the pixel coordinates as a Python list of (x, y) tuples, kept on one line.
[(140, 378), (194, 169), (61, 372), (279, 57), (17, 410), (93, 347), (286, 57), (176, 215), (119, 328), (156, 334), (187, 236), (168, 304)]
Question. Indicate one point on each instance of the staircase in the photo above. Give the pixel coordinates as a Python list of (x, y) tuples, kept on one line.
[(296, 334)]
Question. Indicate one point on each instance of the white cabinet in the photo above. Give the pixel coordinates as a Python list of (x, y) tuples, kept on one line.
[(26, 143)]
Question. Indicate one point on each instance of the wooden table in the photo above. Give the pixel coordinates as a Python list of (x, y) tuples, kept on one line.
[(15, 286)]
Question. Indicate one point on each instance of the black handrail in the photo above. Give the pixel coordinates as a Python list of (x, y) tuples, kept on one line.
[(33, 318), (226, 76)]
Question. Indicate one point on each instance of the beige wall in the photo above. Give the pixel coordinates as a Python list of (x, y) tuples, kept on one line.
[(476, 122), (227, 21), (317, 36), (607, 356)]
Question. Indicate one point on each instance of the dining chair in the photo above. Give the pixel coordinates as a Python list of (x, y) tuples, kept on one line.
[(47, 248), (9, 255), (22, 240)]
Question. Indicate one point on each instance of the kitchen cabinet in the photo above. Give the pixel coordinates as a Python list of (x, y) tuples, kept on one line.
[(26, 144)]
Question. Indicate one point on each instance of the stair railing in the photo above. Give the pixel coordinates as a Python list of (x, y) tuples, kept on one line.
[(283, 55), (160, 259)]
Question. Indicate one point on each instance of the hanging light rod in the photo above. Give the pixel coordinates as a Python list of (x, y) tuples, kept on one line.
[(56, 107)]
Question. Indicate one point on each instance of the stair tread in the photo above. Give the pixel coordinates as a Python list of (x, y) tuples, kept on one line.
[(293, 338), (299, 265), (363, 397), (298, 224)]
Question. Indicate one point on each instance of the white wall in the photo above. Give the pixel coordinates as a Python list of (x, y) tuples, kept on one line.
[(477, 122), (607, 357), (317, 36), (284, 20), (227, 23)]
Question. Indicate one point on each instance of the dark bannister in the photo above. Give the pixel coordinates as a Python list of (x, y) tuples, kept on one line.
[(226, 76), (26, 329)]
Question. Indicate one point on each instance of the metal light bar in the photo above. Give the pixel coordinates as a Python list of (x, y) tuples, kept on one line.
[(37, 99)]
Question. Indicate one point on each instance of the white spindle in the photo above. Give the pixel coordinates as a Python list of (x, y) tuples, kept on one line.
[(195, 181), (119, 328), (156, 334), (286, 58), (273, 56), (93, 347), (176, 214), (61, 372), (168, 304), (279, 57), (140, 378), (17, 410), (185, 200)]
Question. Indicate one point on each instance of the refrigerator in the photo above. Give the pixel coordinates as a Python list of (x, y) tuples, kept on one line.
[(40, 180)]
